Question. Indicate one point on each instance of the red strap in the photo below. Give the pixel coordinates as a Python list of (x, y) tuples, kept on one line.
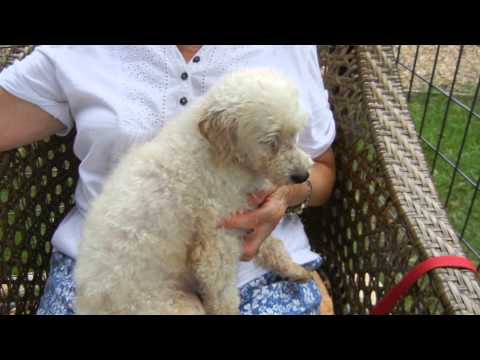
[(389, 301)]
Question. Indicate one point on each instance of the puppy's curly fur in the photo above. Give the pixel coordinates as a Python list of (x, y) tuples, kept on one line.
[(151, 244)]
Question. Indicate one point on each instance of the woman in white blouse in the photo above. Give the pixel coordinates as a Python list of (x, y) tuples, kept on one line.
[(120, 95)]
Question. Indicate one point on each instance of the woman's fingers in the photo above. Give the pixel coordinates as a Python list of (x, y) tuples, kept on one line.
[(271, 212), (250, 246), (245, 221), (254, 240), (259, 197), (259, 222)]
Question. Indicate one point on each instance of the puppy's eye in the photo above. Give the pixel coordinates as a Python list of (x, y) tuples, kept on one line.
[(274, 147), (271, 144)]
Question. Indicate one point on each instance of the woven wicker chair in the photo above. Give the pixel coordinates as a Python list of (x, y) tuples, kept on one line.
[(383, 218)]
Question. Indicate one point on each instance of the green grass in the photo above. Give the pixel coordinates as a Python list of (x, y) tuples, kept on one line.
[(462, 191)]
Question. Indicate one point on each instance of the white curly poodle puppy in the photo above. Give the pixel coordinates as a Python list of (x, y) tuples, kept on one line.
[(151, 242)]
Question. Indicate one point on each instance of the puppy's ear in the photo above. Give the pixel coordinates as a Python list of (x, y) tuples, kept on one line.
[(220, 130)]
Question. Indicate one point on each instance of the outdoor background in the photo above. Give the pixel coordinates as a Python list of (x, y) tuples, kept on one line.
[(442, 86)]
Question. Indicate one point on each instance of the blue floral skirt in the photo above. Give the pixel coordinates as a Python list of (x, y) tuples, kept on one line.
[(266, 295)]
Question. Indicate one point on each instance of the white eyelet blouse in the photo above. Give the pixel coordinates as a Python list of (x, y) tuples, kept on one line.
[(118, 95)]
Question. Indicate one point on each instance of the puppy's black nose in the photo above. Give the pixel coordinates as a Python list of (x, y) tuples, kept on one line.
[(299, 178)]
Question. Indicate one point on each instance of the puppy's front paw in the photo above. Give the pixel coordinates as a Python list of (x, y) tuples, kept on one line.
[(223, 305), (300, 274), (222, 309)]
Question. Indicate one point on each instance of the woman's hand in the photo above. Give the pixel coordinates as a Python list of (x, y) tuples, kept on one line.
[(259, 223), (272, 204)]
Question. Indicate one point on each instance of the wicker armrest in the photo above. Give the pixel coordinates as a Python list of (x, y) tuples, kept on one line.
[(385, 215)]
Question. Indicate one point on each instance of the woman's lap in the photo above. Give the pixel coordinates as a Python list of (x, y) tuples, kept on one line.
[(59, 292), (268, 294), (271, 295)]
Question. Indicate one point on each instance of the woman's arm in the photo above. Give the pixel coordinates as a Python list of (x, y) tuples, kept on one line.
[(261, 222), (23, 123)]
